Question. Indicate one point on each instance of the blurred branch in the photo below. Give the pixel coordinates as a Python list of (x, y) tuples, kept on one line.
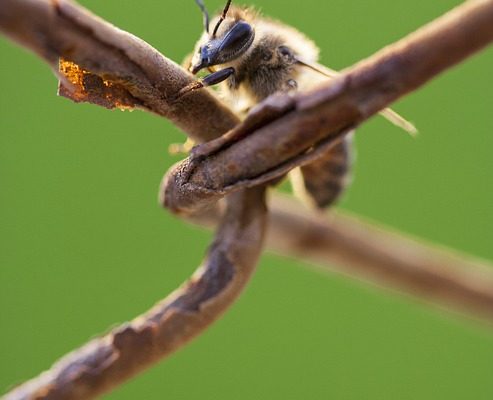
[(389, 259), (284, 131), (372, 253), (105, 362)]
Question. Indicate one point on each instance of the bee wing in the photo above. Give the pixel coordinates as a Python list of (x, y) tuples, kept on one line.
[(389, 114)]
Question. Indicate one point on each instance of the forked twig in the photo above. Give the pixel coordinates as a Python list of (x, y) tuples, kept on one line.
[(113, 68)]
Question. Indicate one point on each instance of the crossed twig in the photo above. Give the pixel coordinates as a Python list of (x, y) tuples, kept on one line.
[(98, 63)]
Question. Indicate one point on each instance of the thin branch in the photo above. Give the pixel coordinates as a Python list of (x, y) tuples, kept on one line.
[(280, 133), (106, 362), (146, 79), (56, 29), (104, 56), (368, 252)]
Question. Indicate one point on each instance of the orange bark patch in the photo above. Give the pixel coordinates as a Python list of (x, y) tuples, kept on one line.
[(91, 88)]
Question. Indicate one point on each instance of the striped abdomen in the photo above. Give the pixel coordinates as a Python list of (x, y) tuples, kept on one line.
[(325, 179)]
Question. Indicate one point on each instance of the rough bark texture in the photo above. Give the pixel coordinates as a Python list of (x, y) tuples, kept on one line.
[(105, 362), (289, 127), (101, 64), (62, 29)]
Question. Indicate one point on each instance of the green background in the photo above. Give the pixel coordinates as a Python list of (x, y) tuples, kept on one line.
[(84, 245)]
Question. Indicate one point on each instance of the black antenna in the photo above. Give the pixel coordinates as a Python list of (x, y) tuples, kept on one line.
[(222, 18), (201, 4)]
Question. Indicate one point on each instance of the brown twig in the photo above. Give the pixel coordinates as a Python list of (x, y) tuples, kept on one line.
[(364, 251), (281, 131), (106, 362), (391, 260), (95, 54), (98, 55), (60, 28)]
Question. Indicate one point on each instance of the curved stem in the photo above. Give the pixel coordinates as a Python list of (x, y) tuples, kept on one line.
[(281, 132), (59, 28), (56, 29), (130, 348), (337, 242)]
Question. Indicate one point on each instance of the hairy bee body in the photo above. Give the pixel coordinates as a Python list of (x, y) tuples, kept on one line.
[(269, 62)]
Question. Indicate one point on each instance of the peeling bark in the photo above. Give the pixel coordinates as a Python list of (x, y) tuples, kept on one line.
[(101, 64)]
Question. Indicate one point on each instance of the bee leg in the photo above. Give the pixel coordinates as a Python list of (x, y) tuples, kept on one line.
[(209, 80), (181, 148), (218, 76), (290, 86)]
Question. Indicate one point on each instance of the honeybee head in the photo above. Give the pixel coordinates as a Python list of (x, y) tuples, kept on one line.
[(229, 39)]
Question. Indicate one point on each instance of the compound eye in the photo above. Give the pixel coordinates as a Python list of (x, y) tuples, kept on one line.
[(240, 35)]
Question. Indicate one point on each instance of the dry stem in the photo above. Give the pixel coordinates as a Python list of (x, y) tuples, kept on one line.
[(108, 361), (54, 29), (280, 131), (371, 253), (391, 260)]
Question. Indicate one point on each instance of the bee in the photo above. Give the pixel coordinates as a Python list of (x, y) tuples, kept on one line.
[(252, 57)]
